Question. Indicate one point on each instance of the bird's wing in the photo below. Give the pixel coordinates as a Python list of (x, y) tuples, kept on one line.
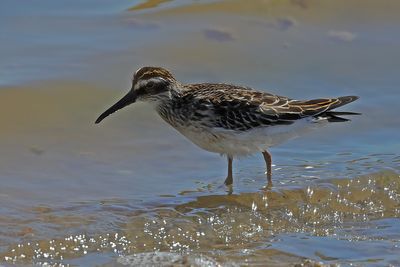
[(240, 108), (297, 109)]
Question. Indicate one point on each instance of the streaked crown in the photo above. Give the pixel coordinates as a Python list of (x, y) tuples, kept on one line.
[(146, 73)]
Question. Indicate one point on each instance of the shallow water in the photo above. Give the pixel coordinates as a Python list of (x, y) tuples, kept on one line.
[(133, 191)]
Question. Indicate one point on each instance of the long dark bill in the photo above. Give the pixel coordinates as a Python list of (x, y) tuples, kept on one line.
[(129, 98)]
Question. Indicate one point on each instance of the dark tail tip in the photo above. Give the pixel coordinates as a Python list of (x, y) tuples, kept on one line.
[(335, 116), (347, 99)]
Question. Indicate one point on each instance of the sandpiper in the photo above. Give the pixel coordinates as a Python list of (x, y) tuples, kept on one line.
[(229, 119)]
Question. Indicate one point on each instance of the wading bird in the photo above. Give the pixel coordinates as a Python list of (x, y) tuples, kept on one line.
[(229, 119)]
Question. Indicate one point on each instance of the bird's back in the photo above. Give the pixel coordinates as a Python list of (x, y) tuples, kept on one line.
[(241, 108), (237, 120)]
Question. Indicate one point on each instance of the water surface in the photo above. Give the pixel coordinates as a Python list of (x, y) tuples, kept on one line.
[(133, 191)]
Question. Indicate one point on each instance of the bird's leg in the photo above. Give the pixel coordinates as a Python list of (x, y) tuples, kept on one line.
[(229, 178), (268, 162)]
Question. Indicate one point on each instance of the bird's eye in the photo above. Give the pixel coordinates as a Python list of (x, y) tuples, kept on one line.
[(150, 84)]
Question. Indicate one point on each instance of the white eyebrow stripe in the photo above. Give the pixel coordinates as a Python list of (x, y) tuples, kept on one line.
[(136, 72), (142, 83)]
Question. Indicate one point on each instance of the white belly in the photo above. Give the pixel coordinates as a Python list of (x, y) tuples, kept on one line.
[(234, 143)]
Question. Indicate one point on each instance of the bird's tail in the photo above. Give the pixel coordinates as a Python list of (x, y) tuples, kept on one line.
[(335, 116), (341, 101)]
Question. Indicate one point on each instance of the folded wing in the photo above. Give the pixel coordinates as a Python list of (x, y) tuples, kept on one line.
[(242, 108)]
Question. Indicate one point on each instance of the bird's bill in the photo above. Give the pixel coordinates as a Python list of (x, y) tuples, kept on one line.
[(129, 98)]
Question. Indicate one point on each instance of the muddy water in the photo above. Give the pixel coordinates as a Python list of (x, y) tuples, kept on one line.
[(133, 191)]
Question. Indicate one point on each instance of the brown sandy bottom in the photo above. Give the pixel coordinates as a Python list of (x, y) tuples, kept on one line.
[(338, 221)]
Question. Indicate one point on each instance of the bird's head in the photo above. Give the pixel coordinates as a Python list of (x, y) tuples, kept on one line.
[(149, 84)]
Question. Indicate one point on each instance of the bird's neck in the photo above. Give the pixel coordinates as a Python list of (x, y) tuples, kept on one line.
[(176, 90), (167, 105)]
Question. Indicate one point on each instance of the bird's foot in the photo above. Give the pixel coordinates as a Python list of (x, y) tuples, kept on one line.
[(267, 187), (228, 181), (229, 184), (229, 189), (269, 179)]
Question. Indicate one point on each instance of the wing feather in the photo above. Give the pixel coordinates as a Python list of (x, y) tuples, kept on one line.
[(241, 108)]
